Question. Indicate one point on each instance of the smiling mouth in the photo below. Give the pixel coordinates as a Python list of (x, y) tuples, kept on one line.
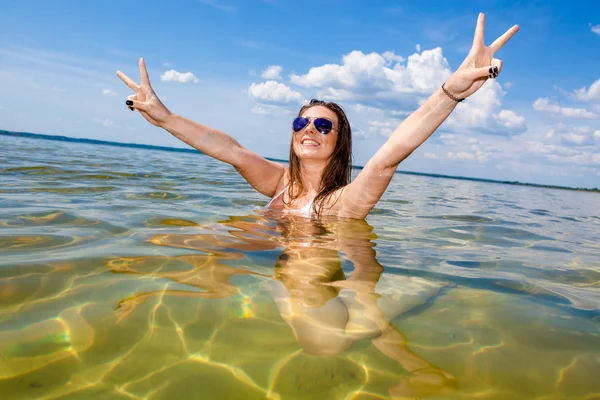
[(309, 142)]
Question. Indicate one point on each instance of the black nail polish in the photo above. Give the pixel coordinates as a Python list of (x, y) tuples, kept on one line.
[(130, 103), (491, 70), (491, 76), (496, 70), (132, 109)]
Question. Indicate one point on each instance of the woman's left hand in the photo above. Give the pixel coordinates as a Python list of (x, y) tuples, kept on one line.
[(480, 64)]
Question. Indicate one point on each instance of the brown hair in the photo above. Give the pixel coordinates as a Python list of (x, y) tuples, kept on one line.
[(338, 171)]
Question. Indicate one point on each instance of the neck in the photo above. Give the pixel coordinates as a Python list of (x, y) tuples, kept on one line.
[(311, 171)]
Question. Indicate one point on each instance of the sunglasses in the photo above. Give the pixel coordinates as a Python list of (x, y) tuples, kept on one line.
[(323, 125)]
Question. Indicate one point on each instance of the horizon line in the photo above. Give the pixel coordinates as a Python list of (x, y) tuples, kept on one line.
[(191, 150)]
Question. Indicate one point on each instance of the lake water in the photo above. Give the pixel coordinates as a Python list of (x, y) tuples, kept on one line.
[(141, 274)]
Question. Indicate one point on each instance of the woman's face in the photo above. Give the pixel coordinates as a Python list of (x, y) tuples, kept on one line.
[(309, 143)]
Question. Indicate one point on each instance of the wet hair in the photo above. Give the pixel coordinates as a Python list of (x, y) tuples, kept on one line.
[(338, 171)]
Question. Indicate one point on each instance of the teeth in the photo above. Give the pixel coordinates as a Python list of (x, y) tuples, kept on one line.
[(310, 142)]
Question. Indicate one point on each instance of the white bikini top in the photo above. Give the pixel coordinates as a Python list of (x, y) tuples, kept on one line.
[(305, 211)]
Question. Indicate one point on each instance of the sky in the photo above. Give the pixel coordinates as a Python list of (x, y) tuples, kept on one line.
[(246, 67)]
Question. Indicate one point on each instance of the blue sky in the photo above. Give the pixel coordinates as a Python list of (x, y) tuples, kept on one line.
[(245, 67)]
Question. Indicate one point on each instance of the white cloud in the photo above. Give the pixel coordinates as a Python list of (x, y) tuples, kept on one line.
[(105, 122), (431, 156), (547, 105), (577, 135), (108, 92), (259, 110), (273, 72), (377, 74), (574, 138), (274, 92), (392, 57), (217, 4), (583, 158), (181, 77), (481, 113), (383, 127), (597, 134), (510, 120), (418, 47), (359, 135), (595, 29), (460, 156), (591, 94)]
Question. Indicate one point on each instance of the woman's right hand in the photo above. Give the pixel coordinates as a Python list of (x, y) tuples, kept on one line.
[(145, 100)]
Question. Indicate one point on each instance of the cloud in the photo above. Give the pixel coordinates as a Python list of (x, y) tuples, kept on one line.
[(181, 77), (460, 156), (273, 72), (597, 135), (259, 110), (359, 135), (108, 92), (481, 112), (510, 120), (592, 94), (574, 138), (583, 158), (389, 82), (105, 122), (274, 92), (595, 28), (431, 156), (218, 5), (376, 74), (383, 126), (574, 135), (546, 105)]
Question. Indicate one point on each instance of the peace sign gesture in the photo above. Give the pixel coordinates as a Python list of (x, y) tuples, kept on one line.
[(480, 64), (145, 100)]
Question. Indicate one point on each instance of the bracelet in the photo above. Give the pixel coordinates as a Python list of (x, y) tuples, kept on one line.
[(449, 95)]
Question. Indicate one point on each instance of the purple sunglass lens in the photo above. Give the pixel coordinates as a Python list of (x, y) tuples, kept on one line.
[(323, 125), (300, 123)]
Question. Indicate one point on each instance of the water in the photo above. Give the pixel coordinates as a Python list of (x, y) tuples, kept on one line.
[(141, 274)]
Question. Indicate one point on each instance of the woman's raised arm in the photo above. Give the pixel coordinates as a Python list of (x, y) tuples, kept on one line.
[(359, 197), (262, 174)]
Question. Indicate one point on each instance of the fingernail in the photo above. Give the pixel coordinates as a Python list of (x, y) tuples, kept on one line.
[(496, 70), (129, 102), (491, 76), (132, 109), (491, 70)]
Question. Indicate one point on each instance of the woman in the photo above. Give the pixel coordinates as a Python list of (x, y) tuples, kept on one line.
[(318, 177)]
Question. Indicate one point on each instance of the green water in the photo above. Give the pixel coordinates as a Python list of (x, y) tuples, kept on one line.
[(141, 274)]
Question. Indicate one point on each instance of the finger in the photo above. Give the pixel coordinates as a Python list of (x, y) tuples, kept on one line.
[(138, 105), (128, 81), (144, 73), (491, 71), (497, 63), (478, 38), (498, 43), (130, 97)]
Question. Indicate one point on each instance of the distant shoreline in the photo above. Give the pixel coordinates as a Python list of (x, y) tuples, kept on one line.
[(182, 150)]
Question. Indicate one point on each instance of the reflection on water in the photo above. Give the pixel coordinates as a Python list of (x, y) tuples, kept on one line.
[(171, 286)]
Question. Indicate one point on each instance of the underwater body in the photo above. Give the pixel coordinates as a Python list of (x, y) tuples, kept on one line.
[(145, 274)]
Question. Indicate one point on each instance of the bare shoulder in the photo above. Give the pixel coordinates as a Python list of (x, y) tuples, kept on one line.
[(332, 204), (283, 181)]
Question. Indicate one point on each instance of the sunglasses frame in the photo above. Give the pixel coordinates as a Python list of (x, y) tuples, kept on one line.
[(311, 120)]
